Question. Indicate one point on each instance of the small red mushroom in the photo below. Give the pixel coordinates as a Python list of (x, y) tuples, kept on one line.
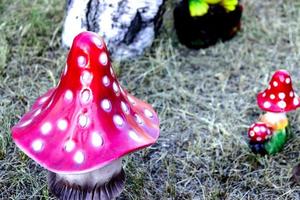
[(259, 132), (279, 97), (82, 128)]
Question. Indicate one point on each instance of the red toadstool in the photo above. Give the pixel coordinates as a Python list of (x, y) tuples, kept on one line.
[(259, 132), (82, 128), (278, 99)]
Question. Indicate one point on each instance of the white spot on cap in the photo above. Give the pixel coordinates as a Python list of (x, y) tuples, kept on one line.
[(256, 129), (131, 100), (296, 101), (115, 87), (272, 96), (96, 139), (124, 108), (134, 136), (86, 78), (291, 93), (79, 157), (26, 123), (138, 119), (83, 120), (46, 128), (251, 134), (287, 80), (37, 145), (267, 104), (105, 81), (81, 61), (86, 96), (118, 120), (148, 113), (281, 95), (281, 104), (263, 129), (62, 124), (103, 58), (275, 83), (69, 145), (69, 95), (98, 42), (269, 87), (106, 105), (264, 94), (258, 139)]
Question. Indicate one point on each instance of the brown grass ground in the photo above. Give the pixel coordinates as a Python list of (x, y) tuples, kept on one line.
[(205, 100)]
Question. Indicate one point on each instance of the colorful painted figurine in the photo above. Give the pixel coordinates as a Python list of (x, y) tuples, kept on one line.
[(201, 23), (270, 134), (81, 129), (128, 27)]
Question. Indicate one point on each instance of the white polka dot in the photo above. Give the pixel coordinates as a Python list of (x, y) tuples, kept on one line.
[(103, 58), (256, 129), (37, 112), (148, 113), (106, 81), (69, 145), (106, 105), (62, 124), (25, 123), (115, 87), (81, 61), (98, 42), (124, 108), (267, 104), (272, 96), (291, 94), (263, 129), (86, 96), (79, 157), (281, 78), (112, 72), (281, 104), (96, 139), (37, 145), (269, 87), (131, 100), (264, 94), (83, 120), (281, 95), (134, 136), (138, 119), (287, 81), (118, 120), (258, 139), (46, 128), (86, 78), (275, 84), (296, 101), (69, 95), (251, 134)]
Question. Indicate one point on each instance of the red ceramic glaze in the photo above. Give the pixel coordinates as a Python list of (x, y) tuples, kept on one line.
[(279, 96), (259, 132), (88, 120)]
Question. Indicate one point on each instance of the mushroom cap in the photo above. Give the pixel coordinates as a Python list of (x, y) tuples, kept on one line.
[(259, 132), (88, 120), (279, 96)]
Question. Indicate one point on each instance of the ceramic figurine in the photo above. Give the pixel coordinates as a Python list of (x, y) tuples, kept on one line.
[(201, 23), (81, 129), (274, 128), (127, 26)]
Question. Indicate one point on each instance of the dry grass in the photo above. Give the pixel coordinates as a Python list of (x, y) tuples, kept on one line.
[(205, 99)]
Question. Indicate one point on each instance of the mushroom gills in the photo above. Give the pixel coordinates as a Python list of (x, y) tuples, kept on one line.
[(101, 184)]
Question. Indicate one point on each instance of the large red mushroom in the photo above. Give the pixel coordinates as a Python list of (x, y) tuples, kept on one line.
[(81, 129)]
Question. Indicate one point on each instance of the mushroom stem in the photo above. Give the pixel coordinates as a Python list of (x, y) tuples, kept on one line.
[(101, 184), (275, 120)]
